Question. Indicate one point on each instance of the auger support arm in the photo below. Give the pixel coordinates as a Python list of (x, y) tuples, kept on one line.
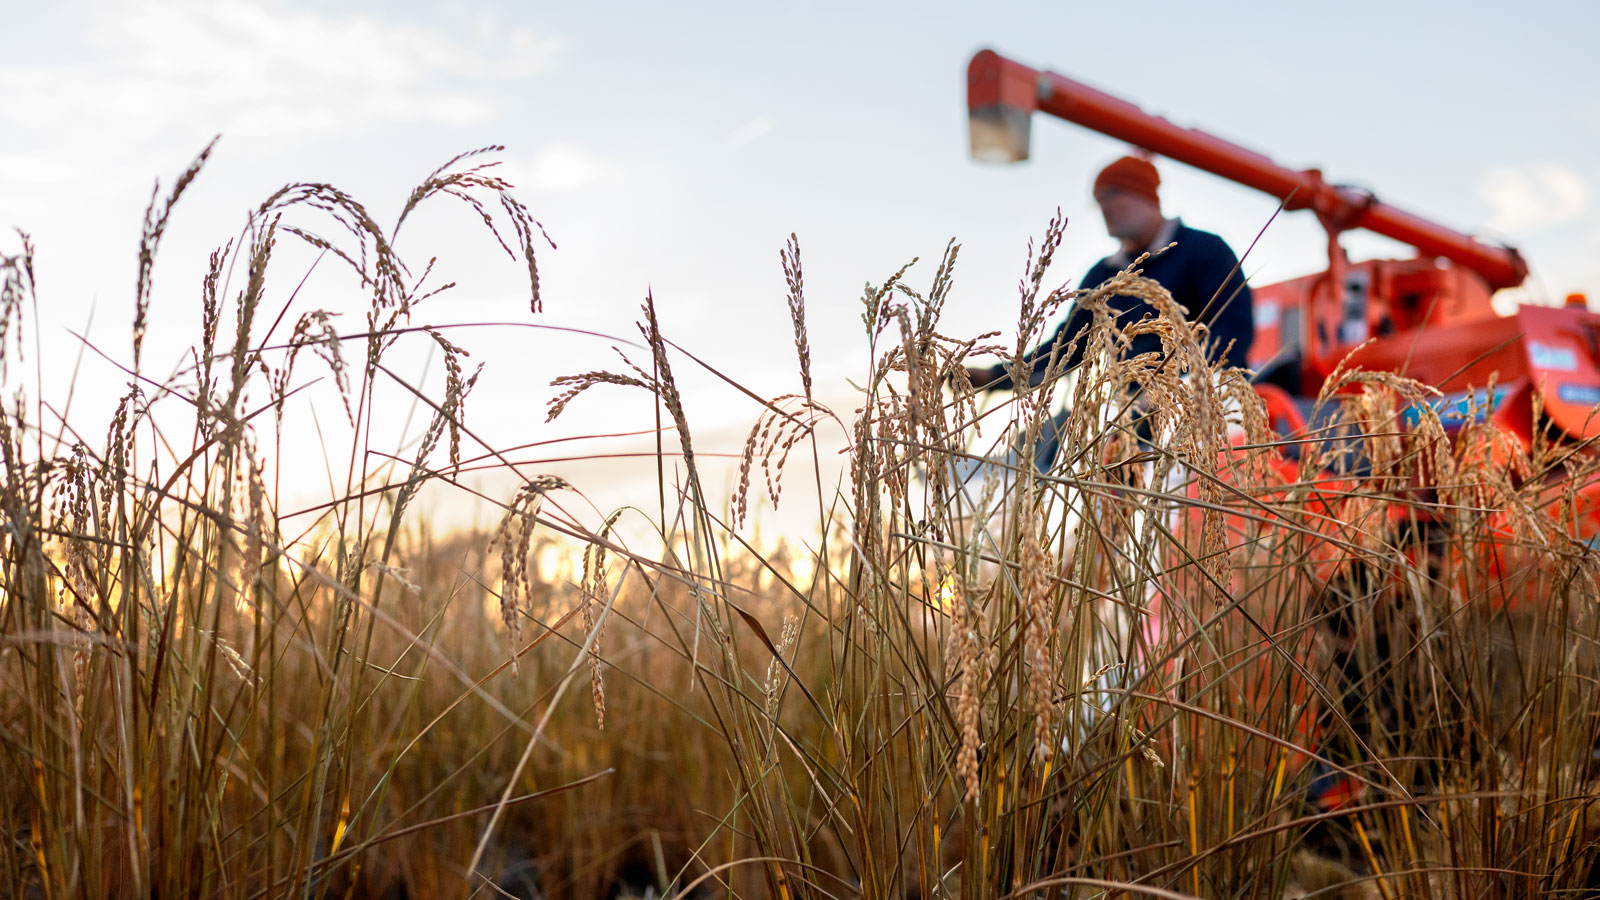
[(1003, 94)]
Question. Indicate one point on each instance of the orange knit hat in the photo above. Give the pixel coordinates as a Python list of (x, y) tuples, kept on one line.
[(1131, 174)]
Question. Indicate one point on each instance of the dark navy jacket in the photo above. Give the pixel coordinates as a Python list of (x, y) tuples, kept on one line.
[(1202, 274)]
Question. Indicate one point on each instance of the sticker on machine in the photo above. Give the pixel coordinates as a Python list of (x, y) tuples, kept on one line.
[(1579, 394), (1555, 359)]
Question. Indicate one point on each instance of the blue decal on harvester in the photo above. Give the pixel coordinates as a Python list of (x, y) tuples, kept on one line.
[(1549, 356), (1579, 394)]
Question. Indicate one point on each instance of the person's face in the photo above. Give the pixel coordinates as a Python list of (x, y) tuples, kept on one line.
[(1129, 216)]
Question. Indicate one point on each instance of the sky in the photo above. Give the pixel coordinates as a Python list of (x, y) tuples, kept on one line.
[(673, 148)]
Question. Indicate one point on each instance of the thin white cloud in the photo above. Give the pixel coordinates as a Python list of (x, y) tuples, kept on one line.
[(530, 53), (260, 71), (1533, 199), (559, 168), (755, 129)]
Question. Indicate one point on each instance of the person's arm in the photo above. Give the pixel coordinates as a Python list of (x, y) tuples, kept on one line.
[(998, 376), (1228, 308)]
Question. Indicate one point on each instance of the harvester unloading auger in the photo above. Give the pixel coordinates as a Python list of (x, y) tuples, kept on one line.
[(1430, 318)]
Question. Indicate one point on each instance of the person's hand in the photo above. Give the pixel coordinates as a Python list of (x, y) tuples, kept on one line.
[(953, 381), (981, 376)]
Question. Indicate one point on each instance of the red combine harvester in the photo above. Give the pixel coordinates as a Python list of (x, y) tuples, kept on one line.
[(1429, 318)]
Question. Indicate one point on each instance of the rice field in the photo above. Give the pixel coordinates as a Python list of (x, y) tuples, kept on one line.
[(1192, 658)]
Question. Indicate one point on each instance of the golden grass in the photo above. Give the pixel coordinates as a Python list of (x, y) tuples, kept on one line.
[(1129, 675)]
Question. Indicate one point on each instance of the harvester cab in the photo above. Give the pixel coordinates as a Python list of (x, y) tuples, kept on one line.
[(1430, 318)]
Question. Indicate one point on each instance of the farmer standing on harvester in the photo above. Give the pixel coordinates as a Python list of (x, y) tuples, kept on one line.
[(1200, 270)]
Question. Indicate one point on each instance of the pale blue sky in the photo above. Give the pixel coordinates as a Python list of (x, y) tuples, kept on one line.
[(675, 147)]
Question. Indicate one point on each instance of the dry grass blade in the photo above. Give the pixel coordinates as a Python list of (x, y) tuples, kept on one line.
[(1178, 662)]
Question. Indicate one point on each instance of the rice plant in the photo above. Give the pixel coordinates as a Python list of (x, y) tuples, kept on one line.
[(1191, 656)]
